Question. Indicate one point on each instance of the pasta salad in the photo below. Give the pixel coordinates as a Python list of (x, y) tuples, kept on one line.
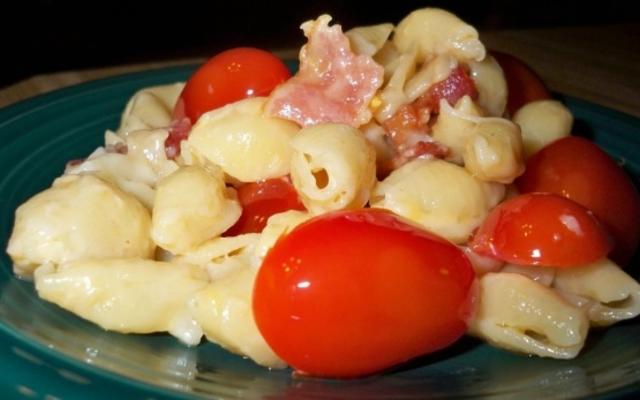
[(404, 188)]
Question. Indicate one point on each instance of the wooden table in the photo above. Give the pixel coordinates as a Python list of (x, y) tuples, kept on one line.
[(598, 63)]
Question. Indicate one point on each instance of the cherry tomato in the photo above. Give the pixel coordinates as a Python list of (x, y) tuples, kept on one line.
[(579, 170), (523, 84), (231, 76), (542, 229), (352, 293), (260, 200), (452, 89)]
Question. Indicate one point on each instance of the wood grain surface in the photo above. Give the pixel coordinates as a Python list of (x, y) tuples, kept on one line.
[(596, 63)]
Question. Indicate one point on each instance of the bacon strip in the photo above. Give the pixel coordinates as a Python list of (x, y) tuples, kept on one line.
[(408, 129), (452, 89), (408, 133), (332, 85), (178, 131)]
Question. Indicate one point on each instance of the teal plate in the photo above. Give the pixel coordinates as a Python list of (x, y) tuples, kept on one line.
[(48, 353)]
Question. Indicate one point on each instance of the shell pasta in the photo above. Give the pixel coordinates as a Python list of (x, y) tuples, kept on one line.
[(332, 167), (603, 290), (246, 144), (434, 31), (149, 108), (191, 206), (104, 292), (442, 197), (65, 223), (517, 313)]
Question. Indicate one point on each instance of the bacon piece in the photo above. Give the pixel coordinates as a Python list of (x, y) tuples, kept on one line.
[(403, 124), (119, 148), (408, 133), (178, 131), (457, 85), (332, 85), (426, 148), (408, 129)]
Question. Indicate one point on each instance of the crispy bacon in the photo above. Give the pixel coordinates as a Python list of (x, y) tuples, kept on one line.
[(178, 131), (409, 128), (457, 85), (404, 123), (426, 148), (408, 133), (332, 85)]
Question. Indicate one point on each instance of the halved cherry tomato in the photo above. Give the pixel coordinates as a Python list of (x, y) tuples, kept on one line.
[(542, 229), (231, 76), (261, 200), (523, 84), (452, 89), (579, 170), (352, 293)]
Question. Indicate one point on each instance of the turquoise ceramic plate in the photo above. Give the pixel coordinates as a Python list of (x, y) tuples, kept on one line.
[(47, 353)]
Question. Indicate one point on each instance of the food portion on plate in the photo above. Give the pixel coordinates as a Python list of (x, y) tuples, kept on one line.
[(403, 188)]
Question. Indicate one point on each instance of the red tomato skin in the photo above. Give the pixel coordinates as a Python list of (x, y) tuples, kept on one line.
[(523, 84), (579, 170), (353, 293), (542, 229), (261, 200), (230, 76)]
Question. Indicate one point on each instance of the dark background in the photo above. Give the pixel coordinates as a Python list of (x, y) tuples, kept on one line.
[(52, 35)]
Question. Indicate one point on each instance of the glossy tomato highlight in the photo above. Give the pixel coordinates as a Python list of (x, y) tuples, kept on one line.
[(352, 293), (542, 229), (230, 76), (227, 77)]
